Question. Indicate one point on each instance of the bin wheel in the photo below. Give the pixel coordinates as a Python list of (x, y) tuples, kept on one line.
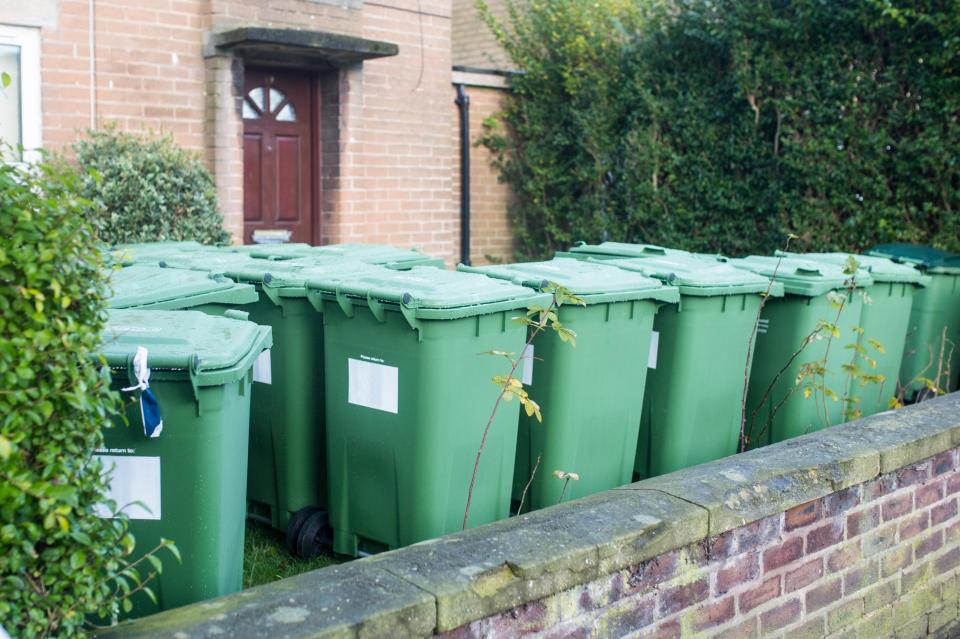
[(309, 533), (923, 395)]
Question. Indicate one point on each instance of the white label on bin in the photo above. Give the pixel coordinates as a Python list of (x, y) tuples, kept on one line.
[(526, 366), (763, 326), (134, 486), (261, 368), (372, 385), (654, 347)]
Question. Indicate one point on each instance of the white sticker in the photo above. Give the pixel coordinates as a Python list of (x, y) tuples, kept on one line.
[(763, 326), (261, 368), (372, 385), (654, 347), (133, 478), (526, 366)]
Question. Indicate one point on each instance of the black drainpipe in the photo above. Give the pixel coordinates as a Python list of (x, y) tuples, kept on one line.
[(463, 102)]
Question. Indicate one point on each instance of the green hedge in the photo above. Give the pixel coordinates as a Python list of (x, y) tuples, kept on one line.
[(724, 125), (146, 190), (59, 561)]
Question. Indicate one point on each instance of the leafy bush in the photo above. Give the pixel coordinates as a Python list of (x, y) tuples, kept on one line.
[(725, 125), (58, 560), (147, 190)]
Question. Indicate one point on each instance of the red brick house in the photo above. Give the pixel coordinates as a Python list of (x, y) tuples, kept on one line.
[(333, 119)]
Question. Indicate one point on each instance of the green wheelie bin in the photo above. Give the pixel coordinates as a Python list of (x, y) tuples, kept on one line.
[(153, 287), (178, 466), (151, 252), (796, 388), (591, 395), (620, 250), (408, 395), (885, 321), (693, 404), (287, 478), (380, 254), (932, 350)]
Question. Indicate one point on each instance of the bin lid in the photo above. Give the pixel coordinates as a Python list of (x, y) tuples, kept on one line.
[(430, 293), (151, 251), (800, 276), (213, 349), (624, 249), (370, 253), (930, 259), (145, 284), (695, 275), (881, 269), (283, 251), (594, 282)]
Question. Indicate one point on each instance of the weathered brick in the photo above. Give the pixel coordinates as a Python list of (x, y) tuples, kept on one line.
[(845, 614), (951, 533), (812, 629), (879, 487), (802, 515), (916, 577), (803, 576), (948, 560), (680, 597), (779, 617), (713, 614), (860, 577), (862, 521), (927, 545), (912, 475), (929, 494), (758, 534), (879, 540), (748, 629), (844, 556), (736, 572), (942, 463), (953, 484), (841, 501), (878, 624), (897, 506), (652, 572), (750, 599), (940, 617), (824, 536), (915, 629), (942, 512), (915, 604), (880, 595), (825, 595), (781, 555), (626, 616), (895, 560), (665, 630), (913, 525)]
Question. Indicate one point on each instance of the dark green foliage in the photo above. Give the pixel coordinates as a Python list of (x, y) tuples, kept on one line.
[(147, 190), (58, 560), (724, 125)]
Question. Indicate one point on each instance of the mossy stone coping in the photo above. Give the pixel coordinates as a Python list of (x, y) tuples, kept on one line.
[(444, 583)]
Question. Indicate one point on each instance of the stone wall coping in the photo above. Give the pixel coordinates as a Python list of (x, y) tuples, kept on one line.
[(444, 583)]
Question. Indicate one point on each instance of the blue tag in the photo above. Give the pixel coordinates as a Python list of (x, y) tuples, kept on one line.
[(150, 414)]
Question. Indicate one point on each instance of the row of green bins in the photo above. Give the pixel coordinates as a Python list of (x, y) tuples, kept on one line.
[(287, 479), (598, 382), (693, 406), (932, 348), (380, 254), (147, 286), (178, 464), (787, 394), (408, 394), (145, 252), (884, 322)]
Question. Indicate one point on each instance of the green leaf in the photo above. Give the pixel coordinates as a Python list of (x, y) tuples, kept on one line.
[(5, 79)]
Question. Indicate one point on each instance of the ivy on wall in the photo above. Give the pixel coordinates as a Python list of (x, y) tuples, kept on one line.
[(724, 125)]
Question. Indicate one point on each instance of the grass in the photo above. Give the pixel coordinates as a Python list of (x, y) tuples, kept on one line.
[(265, 557)]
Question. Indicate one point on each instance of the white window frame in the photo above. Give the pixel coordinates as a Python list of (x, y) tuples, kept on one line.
[(31, 109)]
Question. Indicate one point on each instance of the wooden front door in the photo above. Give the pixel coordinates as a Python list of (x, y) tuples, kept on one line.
[(279, 155)]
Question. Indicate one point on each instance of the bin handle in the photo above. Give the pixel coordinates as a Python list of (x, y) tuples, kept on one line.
[(344, 302), (654, 249), (376, 308), (408, 306), (269, 291), (315, 299), (237, 314)]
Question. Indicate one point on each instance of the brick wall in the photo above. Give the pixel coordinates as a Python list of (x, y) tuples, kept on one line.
[(848, 532), (387, 166), (873, 560), (473, 43), (491, 232)]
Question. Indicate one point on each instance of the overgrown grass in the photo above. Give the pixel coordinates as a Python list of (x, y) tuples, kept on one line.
[(265, 557)]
